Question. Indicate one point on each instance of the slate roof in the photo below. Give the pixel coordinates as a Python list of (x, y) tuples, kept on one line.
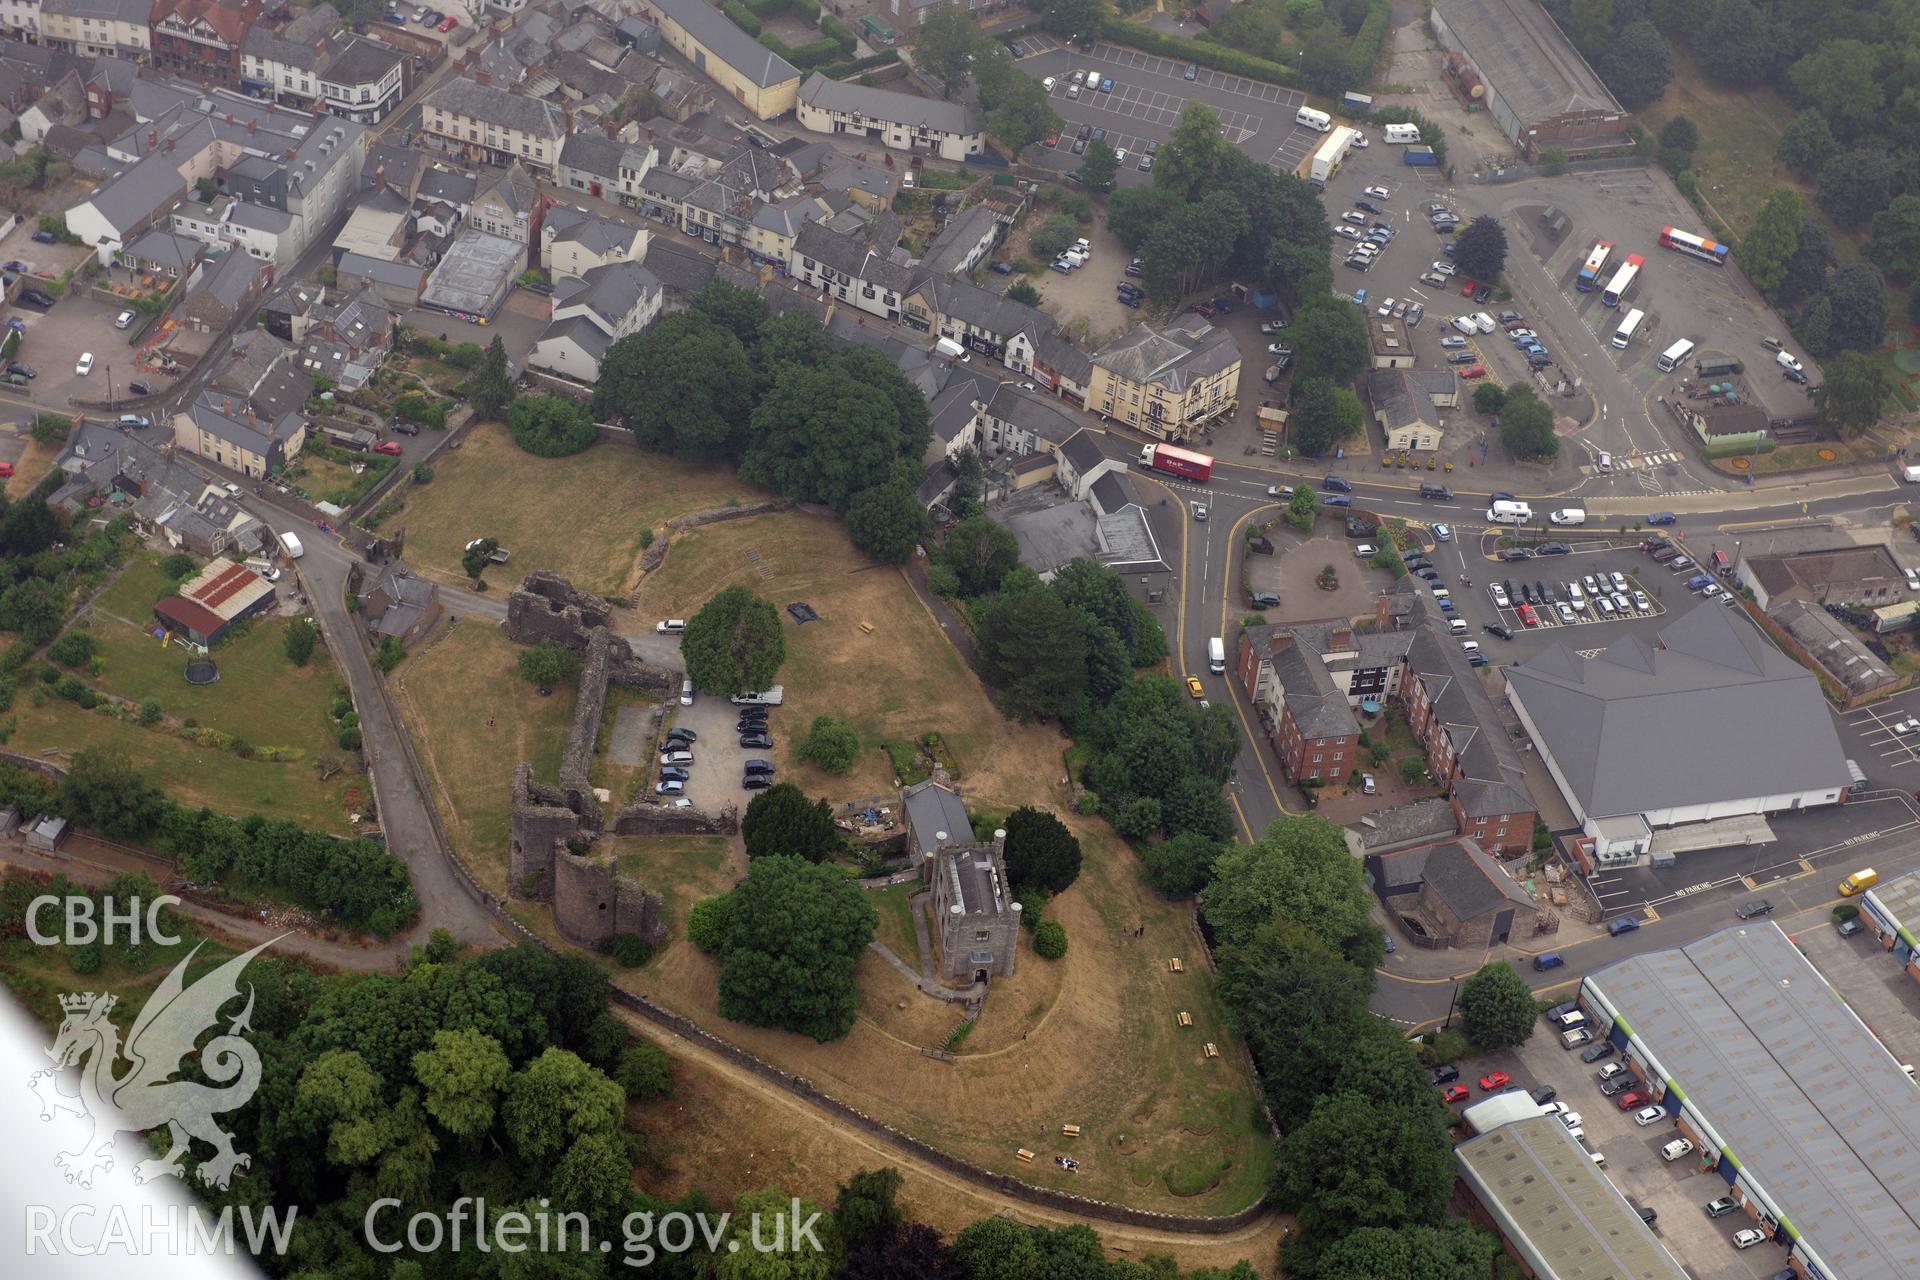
[(678, 268), (228, 281), (1318, 707), (599, 235), (932, 809), (958, 238), (1187, 350), (1715, 713), (1492, 781), (1082, 450), (1459, 872), (219, 415), (512, 186), (1532, 65), (611, 291), (593, 153), (856, 256), (165, 249), (889, 105), (460, 96), (1032, 412), (719, 37), (447, 186), (1815, 571), (361, 62), (1401, 395), (1420, 820), (134, 11), (150, 187)]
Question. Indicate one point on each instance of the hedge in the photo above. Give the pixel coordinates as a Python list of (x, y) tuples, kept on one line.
[(1206, 53), (1368, 41), (840, 33), (767, 8), (808, 11), (845, 70), (808, 56), (741, 16)]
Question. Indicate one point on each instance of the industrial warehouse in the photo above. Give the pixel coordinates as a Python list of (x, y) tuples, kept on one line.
[(1784, 1092)]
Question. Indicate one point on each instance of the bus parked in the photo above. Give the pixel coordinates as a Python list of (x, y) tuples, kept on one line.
[(1622, 280), (1670, 358), (1589, 278), (1693, 246), (1628, 327)]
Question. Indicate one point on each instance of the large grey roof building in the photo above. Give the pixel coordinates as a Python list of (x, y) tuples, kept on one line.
[(1535, 84), (902, 121), (1711, 722), (1776, 1080), (1564, 1217)]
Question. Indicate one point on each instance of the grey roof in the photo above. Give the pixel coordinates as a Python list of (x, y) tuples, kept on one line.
[(468, 98), (1564, 1216), (1318, 707), (666, 186), (1898, 902), (151, 186), (166, 249), (1491, 780), (361, 62), (449, 186), (951, 412), (593, 153), (1400, 399), (857, 256), (1833, 645), (229, 280), (598, 233), (1529, 60), (889, 105), (932, 809), (1817, 570), (1032, 412), (250, 357), (611, 291), (1786, 1081), (1052, 536), (135, 11), (583, 332), (1714, 714), (299, 45), (475, 273), (1459, 872), (258, 217), (719, 37), (958, 238), (678, 267), (222, 416), (1109, 494), (512, 187), (1126, 538), (1082, 449), (1187, 350), (1420, 820), (399, 275)]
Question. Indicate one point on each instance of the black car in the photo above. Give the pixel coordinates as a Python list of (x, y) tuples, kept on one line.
[(407, 428), (1751, 910), (759, 766), (45, 237), (136, 387), (1553, 549), (1484, 292), (1368, 206), (1507, 587), (1544, 1094), (1526, 593), (755, 712), (1264, 600), (1648, 1216), (673, 773), (1597, 1050), (757, 741), (1446, 1074), (1511, 554), (1544, 592), (1496, 629), (1428, 573), (1086, 44), (35, 298), (1001, 268), (682, 735), (755, 782), (1086, 131), (1619, 1084), (24, 370), (1334, 484)]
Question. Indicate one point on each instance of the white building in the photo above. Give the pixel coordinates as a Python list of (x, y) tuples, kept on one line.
[(900, 121)]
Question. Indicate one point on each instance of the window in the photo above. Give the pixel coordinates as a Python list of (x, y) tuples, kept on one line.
[(1316, 760), (981, 935)]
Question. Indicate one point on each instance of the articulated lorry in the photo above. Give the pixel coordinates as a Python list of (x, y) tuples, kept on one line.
[(1184, 463)]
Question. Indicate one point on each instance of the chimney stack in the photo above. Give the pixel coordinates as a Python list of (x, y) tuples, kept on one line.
[(1279, 643)]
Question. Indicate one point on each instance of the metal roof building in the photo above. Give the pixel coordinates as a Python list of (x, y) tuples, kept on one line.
[(1534, 83), (1782, 1088), (1542, 1192)]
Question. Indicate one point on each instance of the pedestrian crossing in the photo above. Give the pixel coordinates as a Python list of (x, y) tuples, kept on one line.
[(1635, 461)]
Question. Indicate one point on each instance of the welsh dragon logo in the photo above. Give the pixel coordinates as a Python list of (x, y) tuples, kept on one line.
[(146, 1096)]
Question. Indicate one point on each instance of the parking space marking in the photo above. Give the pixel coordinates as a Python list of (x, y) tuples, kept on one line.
[(1176, 69)]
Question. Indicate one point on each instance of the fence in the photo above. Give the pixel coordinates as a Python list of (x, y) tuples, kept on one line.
[(1520, 173)]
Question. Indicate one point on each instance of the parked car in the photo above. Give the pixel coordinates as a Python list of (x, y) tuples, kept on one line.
[(389, 447), (45, 237), (1544, 1094), (1455, 1093), (1754, 909), (1495, 1080), (124, 320), (1721, 1207), (679, 734), (670, 626), (1446, 1073), (1632, 1100), (1617, 1085), (1649, 1115), (84, 365), (1264, 600), (1598, 1050), (24, 370), (136, 387), (1747, 1237), (757, 741)]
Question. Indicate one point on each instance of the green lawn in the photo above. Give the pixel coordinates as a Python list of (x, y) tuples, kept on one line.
[(896, 920)]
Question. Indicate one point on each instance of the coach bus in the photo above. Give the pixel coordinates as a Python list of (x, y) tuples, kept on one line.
[(1693, 246), (1622, 280), (1590, 273)]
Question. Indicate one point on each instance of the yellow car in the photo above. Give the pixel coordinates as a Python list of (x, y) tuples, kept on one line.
[(1193, 687)]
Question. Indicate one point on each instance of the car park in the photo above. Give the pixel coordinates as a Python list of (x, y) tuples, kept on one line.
[(1476, 371), (758, 741), (676, 757), (1453, 340), (1106, 84), (1575, 1038), (1462, 357), (1379, 193), (1499, 595), (678, 734), (1617, 1085), (672, 773), (1675, 1149)]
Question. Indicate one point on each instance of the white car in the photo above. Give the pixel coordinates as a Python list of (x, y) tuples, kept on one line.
[(1379, 193), (124, 320), (1788, 362), (1385, 308), (1047, 84), (1200, 512), (1443, 268), (1907, 726), (1470, 647), (1641, 602), (1367, 786), (671, 627), (1120, 154), (1442, 533), (669, 788), (1357, 219), (1499, 594), (1675, 1149), (1279, 491), (1348, 232), (1649, 1115), (84, 365), (1571, 1119), (1453, 340), (1747, 1237), (1365, 550), (1619, 580)]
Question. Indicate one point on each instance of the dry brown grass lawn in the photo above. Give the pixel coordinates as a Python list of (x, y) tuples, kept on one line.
[(580, 516), (682, 870), (472, 719), (32, 468)]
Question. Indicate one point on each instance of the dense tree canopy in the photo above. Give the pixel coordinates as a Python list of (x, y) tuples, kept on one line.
[(795, 930), (684, 386), (734, 643), (887, 521), (1496, 1007), (1329, 339), (1300, 869), (1041, 853), (1526, 426), (781, 820), (1033, 653), (821, 435), (1481, 249)]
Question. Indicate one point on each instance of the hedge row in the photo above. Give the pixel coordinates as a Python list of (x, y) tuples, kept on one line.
[(741, 16), (814, 53), (840, 33), (1205, 52), (767, 8), (808, 11), (1368, 41), (846, 70)]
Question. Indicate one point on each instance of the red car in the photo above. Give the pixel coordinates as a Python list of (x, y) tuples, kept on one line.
[(1631, 1100), (6, 469), (1475, 371), (1467, 287), (391, 447), (1052, 140), (1495, 1080), (446, 24), (1203, 308), (1455, 1093), (1527, 616)]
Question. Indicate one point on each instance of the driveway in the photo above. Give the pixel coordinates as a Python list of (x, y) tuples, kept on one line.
[(719, 759)]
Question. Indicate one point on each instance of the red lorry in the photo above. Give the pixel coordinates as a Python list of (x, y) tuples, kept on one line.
[(1184, 463)]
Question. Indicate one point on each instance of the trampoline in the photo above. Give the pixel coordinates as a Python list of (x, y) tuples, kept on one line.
[(202, 671)]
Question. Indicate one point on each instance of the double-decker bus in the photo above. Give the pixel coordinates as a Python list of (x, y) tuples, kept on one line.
[(1590, 273), (1622, 280), (1693, 246)]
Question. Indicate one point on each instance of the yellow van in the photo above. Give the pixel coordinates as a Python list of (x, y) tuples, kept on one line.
[(1859, 882)]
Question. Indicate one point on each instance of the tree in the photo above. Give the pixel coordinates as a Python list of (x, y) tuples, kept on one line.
[(1302, 1008), (915, 1253), (1050, 940), (1303, 508), (1072, 18), (980, 553), (1100, 595), (1099, 166), (103, 791), (1022, 292), (1319, 420), (1041, 853), (1481, 249), (489, 386), (1852, 392), (1450, 1251), (1329, 338), (1017, 109), (556, 1101), (1134, 212), (887, 521), (864, 1208), (1768, 246), (1300, 869), (1856, 184), (998, 1249), (550, 426), (1180, 867), (1637, 64), (1896, 237), (831, 744), (795, 933), (1195, 157), (1496, 1007), (946, 44), (1488, 397), (710, 924), (684, 386), (1813, 257), (1033, 651), (1394, 1167), (1681, 134), (1054, 235), (733, 643), (781, 820), (820, 434), (1526, 426), (1590, 24), (795, 338), (1857, 295), (546, 665), (299, 640), (462, 1074), (1840, 78), (1737, 45), (1807, 142), (645, 1072)]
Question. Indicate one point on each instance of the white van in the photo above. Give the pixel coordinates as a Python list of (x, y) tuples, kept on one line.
[(1466, 325), (1484, 321), (1217, 655), (1092, 79), (1313, 119), (291, 541), (1568, 516)]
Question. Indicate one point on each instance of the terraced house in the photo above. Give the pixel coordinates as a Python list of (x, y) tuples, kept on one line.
[(478, 122), (202, 38), (900, 121), (1168, 383), (98, 28)]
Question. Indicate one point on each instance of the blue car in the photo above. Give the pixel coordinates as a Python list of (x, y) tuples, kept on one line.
[(1106, 85), (1624, 924), (1360, 297), (1335, 500), (1661, 517)]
